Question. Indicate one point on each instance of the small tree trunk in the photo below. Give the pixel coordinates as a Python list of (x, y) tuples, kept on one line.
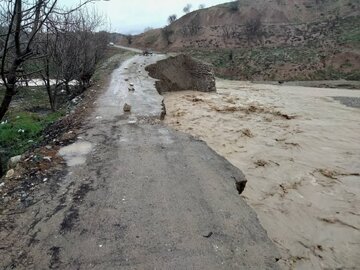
[(48, 90), (55, 98), (9, 93), (67, 88), (1, 168), (50, 95)]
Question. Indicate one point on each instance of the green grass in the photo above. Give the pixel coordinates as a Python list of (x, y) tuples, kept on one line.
[(283, 55), (23, 129), (261, 56), (250, 63), (331, 73), (255, 61), (350, 31), (352, 36)]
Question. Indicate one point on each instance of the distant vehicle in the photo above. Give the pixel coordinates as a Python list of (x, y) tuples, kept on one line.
[(111, 44), (147, 52)]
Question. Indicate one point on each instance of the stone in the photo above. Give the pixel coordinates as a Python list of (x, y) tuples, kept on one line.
[(127, 108), (10, 173), (14, 161), (68, 136), (47, 159)]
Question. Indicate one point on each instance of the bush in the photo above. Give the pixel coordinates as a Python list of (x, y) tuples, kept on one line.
[(172, 18), (167, 33), (187, 8), (234, 6)]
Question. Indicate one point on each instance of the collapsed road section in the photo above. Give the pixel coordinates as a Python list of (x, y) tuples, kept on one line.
[(144, 197)]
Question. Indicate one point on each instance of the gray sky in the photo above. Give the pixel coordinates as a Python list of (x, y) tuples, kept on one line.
[(133, 16)]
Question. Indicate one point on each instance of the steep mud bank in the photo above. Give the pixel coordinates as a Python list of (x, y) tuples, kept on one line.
[(182, 72)]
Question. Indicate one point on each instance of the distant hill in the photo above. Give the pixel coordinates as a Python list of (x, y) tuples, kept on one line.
[(296, 39)]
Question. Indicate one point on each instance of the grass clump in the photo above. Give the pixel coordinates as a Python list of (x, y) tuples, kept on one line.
[(20, 131)]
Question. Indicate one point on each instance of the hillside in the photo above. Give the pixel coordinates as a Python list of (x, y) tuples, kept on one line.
[(292, 39)]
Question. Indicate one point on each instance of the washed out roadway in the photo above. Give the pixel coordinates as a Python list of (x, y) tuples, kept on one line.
[(147, 197)]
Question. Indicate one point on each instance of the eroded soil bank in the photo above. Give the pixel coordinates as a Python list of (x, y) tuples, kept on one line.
[(182, 72), (299, 149)]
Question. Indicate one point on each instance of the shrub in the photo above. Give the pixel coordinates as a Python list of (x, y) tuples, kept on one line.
[(234, 6)]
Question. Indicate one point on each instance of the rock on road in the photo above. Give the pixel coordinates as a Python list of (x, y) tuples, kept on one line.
[(147, 197)]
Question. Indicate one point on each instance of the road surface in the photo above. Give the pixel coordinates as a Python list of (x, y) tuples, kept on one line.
[(140, 196), (128, 49)]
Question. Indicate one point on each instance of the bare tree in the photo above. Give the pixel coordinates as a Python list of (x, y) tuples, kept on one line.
[(47, 47), (172, 18), (129, 39), (61, 45), (66, 50), (167, 32), (59, 49), (187, 8), (253, 28), (90, 51), (228, 31), (71, 51), (201, 6), (1, 168), (22, 22), (234, 6)]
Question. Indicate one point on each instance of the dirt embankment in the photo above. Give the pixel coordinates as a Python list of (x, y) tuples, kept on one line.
[(182, 72)]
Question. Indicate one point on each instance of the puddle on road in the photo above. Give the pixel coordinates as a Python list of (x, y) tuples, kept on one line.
[(75, 154)]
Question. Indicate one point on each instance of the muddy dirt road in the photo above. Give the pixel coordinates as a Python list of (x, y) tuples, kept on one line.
[(138, 195)]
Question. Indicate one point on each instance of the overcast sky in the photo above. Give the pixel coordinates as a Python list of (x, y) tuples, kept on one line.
[(133, 16)]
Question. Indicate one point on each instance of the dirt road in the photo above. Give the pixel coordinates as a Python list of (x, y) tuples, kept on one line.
[(138, 195)]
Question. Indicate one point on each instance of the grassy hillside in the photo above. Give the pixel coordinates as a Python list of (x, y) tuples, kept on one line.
[(274, 39)]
